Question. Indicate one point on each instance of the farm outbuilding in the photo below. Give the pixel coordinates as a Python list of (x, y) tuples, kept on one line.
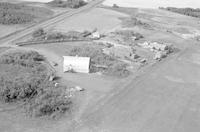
[(76, 64)]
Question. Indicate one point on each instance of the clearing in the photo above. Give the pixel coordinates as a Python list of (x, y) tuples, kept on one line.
[(159, 95), (102, 19), (164, 98)]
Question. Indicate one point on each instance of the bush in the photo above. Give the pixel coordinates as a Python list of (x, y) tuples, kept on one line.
[(185, 11), (67, 3), (86, 33), (129, 34), (128, 37), (38, 33), (27, 59), (74, 35), (118, 69), (20, 89), (20, 14), (55, 36), (8, 17), (115, 6), (24, 78), (49, 102), (132, 22)]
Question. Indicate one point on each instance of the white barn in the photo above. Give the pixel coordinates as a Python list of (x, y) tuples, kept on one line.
[(76, 64)]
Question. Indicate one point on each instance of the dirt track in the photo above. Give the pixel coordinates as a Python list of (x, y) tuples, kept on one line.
[(164, 99)]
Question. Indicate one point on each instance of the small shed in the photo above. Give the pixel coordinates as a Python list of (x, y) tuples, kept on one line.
[(96, 35), (76, 64)]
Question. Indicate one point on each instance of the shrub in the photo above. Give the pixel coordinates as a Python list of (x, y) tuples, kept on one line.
[(132, 22), (19, 89), (8, 17), (128, 36), (49, 102), (27, 59), (185, 11), (38, 33), (86, 33), (118, 69), (22, 87), (55, 36), (19, 14), (24, 78), (74, 35), (115, 6), (67, 3)]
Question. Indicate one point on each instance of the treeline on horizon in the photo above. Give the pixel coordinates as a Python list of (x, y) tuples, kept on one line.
[(185, 11), (67, 3)]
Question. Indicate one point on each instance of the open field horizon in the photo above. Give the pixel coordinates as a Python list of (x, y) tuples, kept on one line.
[(146, 3), (71, 67)]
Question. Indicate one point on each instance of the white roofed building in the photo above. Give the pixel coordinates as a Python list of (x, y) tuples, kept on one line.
[(76, 64)]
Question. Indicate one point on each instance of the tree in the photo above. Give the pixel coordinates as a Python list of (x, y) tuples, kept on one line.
[(115, 6), (38, 33)]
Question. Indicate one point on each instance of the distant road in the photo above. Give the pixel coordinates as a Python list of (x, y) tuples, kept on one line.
[(9, 39)]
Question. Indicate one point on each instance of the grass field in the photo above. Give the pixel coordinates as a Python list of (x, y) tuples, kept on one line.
[(2, 49), (34, 13), (9, 29), (102, 19)]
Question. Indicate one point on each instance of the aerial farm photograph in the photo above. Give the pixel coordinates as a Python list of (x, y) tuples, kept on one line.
[(99, 65)]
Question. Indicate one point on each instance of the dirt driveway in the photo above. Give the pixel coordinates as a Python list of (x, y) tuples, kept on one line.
[(164, 99)]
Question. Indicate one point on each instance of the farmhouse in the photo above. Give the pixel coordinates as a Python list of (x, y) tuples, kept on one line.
[(76, 64)]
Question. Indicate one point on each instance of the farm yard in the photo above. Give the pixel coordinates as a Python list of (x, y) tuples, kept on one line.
[(139, 59), (116, 56)]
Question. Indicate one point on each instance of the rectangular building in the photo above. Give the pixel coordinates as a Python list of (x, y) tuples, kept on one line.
[(76, 64)]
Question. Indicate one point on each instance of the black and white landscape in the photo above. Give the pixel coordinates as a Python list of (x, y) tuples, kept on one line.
[(99, 66)]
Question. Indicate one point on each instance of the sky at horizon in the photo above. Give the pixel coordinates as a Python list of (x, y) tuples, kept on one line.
[(147, 3)]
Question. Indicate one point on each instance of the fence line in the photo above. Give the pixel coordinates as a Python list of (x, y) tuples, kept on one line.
[(50, 41)]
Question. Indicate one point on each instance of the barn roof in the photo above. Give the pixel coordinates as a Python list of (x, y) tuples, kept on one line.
[(78, 64)]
